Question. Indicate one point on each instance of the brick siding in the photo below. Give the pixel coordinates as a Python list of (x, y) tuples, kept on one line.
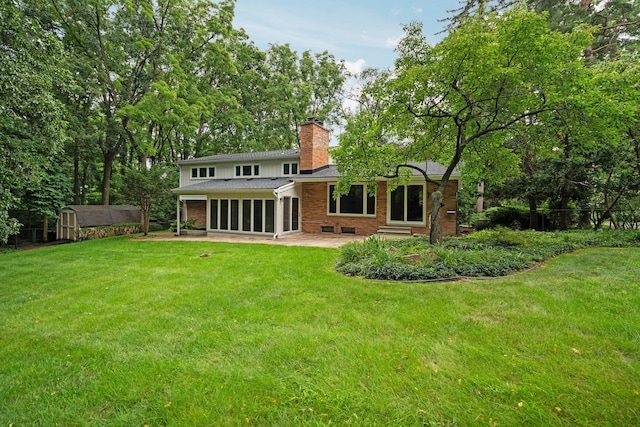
[(197, 210), (314, 211), (314, 145)]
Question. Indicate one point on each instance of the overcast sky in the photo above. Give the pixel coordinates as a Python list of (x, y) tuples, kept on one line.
[(362, 32)]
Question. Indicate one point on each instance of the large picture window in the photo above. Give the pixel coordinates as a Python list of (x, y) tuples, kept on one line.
[(356, 202), (406, 204)]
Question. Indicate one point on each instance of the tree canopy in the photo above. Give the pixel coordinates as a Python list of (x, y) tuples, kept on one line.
[(454, 102)]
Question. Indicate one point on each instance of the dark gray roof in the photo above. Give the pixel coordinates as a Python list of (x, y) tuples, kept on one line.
[(433, 169), (233, 184), (97, 215), (258, 155)]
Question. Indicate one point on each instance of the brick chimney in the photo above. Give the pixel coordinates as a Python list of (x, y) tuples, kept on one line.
[(314, 145)]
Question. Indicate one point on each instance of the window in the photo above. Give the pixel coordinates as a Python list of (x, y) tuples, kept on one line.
[(290, 217), (255, 216), (406, 203), (247, 170), (357, 202), (209, 172), (290, 169)]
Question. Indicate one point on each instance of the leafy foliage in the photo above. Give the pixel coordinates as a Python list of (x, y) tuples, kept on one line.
[(31, 119), (454, 102), (487, 253)]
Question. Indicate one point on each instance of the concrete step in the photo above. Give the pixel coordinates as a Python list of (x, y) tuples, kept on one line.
[(396, 231)]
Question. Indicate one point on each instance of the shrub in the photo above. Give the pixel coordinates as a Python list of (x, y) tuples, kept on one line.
[(487, 253), (515, 217)]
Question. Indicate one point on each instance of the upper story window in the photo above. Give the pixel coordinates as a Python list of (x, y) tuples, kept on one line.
[(209, 172), (247, 170), (290, 168), (357, 202)]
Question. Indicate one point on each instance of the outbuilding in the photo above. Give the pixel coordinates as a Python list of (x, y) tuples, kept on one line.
[(74, 219)]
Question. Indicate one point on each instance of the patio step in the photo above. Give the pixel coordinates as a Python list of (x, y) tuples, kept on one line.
[(394, 231)]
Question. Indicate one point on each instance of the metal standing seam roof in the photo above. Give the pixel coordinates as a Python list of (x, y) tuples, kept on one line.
[(258, 155)]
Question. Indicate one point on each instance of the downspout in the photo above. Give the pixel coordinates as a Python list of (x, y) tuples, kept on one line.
[(276, 194), (178, 216)]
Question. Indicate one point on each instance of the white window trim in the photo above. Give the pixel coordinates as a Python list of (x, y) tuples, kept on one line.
[(242, 166), (197, 168), (362, 215), (422, 223), (241, 216), (290, 168)]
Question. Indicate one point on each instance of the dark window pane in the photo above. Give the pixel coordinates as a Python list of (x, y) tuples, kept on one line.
[(332, 201), (203, 172), (269, 216), (214, 215), (194, 173), (286, 214), (224, 214), (257, 215), (246, 171), (295, 220), (397, 204), (415, 203), (285, 169), (237, 170), (371, 204), (294, 169), (246, 215), (256, 170), (212, 172), (234, 214), (353, 203)]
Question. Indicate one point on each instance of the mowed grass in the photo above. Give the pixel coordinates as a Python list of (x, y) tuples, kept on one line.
[(125, 332)]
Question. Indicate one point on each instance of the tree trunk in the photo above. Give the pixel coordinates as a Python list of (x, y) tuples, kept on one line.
[(435, 235), (45, 229), (76, 178), (533, 213), (146, 214), (480, 200), (564, 205), (109, 157)]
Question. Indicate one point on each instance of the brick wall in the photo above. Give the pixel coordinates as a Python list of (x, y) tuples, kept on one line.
[(197, 210), (314, 145), (314, 211)]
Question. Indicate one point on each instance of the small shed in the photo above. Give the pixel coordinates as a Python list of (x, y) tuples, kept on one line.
[(74, 218)]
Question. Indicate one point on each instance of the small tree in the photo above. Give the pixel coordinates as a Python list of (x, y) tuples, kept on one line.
[(144, 187)]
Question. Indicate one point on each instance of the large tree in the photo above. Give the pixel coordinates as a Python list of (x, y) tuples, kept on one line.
[(31, 122), (454, 102), (130, 52)]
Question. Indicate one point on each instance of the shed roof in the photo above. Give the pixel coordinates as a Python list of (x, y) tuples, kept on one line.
[(97, 215)]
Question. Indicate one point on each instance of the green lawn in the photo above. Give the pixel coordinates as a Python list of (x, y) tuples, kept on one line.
[(139, 332)]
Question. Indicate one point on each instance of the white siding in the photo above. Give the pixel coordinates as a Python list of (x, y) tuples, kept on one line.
[(268, 169)]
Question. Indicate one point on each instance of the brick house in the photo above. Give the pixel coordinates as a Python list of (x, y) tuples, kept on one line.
[(275, 193)]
